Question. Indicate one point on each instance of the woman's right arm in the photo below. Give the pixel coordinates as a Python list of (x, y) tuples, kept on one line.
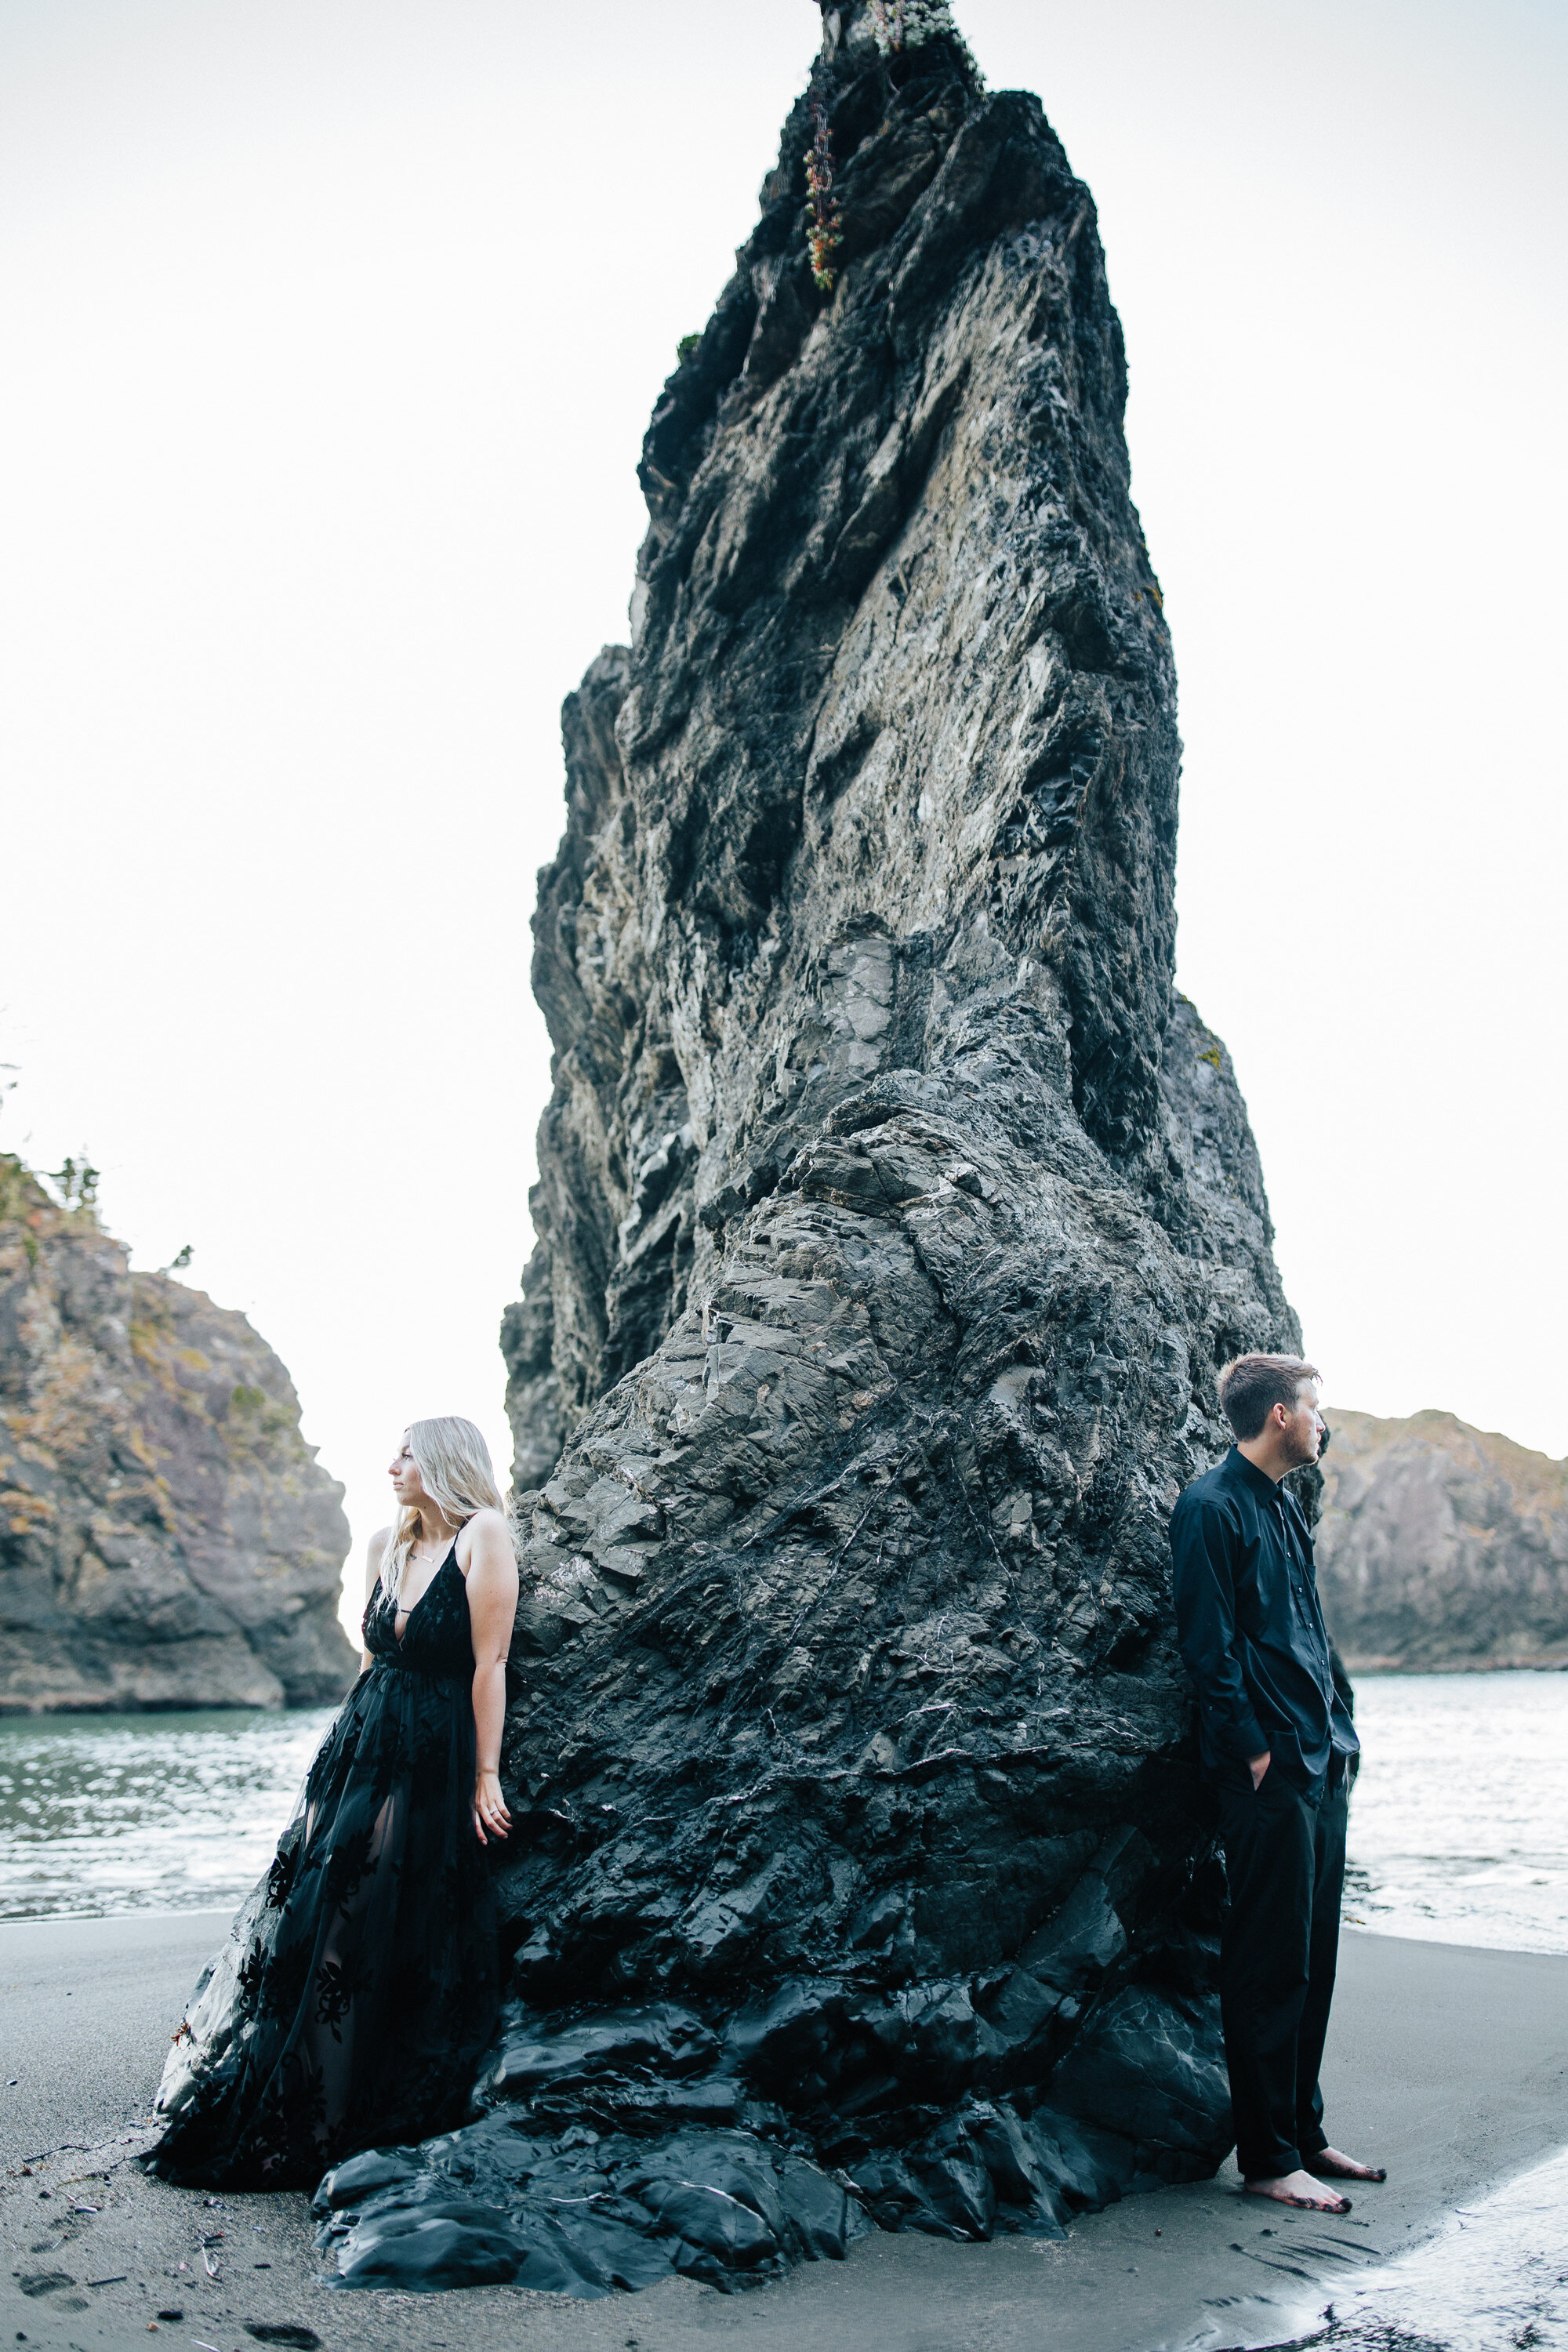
[(374, 1550)]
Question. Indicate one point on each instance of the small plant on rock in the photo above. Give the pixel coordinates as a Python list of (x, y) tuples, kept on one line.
[(906, 24), (824, 227), (76, 1184), (899, 25)]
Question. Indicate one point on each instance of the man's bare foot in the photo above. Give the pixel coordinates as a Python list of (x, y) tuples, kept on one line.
[(1298, 2188), (1330, 2164)]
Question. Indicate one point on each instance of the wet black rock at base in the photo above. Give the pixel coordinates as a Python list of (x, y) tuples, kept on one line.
[(619, 2147), (575, 2181), (583, 2211), (894, 1214)]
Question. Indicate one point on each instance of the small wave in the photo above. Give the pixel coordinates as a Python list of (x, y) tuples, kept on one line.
[(1495, 2280), (162, 1813)]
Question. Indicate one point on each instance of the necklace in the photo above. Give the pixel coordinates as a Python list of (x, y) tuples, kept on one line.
[(404, 1609)]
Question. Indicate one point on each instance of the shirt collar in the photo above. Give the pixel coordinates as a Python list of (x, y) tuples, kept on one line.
[(1263, 1486)]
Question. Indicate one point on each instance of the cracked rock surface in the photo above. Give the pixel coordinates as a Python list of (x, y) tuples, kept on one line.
[(893, 1216), (167, 1539)]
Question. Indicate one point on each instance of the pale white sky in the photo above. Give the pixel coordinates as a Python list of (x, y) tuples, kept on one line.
[(332, 327)]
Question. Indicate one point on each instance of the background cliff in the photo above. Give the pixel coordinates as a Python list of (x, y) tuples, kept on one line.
[(166, 1536), (893, 1217), (1442, 1545)]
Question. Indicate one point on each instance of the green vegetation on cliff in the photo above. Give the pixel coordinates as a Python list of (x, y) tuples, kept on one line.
[(167, 1537)]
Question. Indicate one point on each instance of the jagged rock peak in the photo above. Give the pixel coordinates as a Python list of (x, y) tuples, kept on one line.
[(167, 1539), (901, 705)]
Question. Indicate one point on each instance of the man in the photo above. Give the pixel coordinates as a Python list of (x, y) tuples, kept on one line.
[(1278, 1741)]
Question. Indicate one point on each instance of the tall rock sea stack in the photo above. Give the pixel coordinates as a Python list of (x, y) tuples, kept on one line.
[(893, 1218), (166, 1536)]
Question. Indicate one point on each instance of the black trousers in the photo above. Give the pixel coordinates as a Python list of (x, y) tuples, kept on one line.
[(1285, 1860)]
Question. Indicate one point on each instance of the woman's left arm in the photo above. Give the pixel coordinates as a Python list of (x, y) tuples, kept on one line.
[(492, 1608)]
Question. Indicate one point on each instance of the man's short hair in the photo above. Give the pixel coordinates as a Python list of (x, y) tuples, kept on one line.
[(1251, 1386)]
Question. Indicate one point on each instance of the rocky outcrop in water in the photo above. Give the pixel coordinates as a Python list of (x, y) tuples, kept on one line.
[(1442, 1545), (166, 1536), (893, 1217)]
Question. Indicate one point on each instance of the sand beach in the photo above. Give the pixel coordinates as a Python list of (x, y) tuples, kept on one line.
[(1448, 2064)]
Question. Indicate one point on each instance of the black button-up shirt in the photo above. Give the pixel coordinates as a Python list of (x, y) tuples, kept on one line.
[(1250, 1626)]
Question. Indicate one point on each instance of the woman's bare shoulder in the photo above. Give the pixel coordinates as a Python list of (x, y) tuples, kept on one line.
[(494, 1522), (488, 1540)]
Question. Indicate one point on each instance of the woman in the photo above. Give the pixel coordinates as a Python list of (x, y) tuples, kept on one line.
[(361, 1982)]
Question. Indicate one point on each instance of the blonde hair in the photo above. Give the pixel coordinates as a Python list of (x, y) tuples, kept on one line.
[(454, 1466)]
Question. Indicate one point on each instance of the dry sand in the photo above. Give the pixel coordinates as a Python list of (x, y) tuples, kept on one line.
[(1449, 2066)]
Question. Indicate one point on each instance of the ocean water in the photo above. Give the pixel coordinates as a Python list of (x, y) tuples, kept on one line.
[(1459, 1829), (1458, 1824), (145, 1812)]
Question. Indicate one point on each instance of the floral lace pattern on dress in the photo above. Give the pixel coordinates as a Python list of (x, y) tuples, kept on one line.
[(361, 1982)]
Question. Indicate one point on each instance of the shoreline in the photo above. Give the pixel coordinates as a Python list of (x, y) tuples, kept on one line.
[(1449, 2063), (56, 1918), (116, 1711), (1552, 1665), (220, 1915)]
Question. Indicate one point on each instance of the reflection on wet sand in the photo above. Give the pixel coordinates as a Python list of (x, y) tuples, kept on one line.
[(1496, 2277)]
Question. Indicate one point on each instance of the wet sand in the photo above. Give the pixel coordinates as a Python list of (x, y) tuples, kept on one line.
[(1448, 2064)]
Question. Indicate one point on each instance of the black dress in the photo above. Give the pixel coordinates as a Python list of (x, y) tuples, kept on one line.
[(361, 1981)]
